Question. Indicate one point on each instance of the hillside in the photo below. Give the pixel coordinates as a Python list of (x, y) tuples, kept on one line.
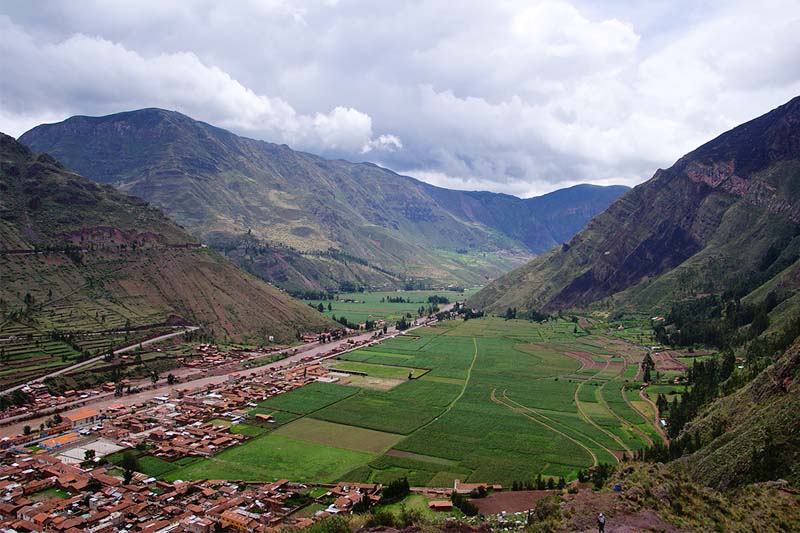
[(753, 434), (223, 187), (75, 251), (723, 217)]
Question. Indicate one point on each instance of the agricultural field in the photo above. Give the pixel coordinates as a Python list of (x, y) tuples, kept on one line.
[(359, 307), (61, 335), (488, 400)]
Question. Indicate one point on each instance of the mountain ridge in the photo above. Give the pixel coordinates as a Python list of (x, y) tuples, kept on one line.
[(66, 238), (690, 219), (222, 186)]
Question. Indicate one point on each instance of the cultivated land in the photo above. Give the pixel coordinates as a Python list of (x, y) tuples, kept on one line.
[(494, 401), (368, 305)]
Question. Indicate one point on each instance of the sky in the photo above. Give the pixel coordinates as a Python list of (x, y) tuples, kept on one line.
[(521, 97)]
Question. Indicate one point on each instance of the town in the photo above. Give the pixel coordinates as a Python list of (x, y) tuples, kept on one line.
[(58, 478)]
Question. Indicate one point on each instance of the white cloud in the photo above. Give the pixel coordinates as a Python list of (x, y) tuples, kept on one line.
[(516, 96), (384, 143), (113, 78)]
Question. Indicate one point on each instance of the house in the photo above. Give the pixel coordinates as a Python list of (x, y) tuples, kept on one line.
[(84, 417), (237, 519), (440, 505), (57, 442)]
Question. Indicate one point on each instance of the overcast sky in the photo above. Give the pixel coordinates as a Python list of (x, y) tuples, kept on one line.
[(522, 97)]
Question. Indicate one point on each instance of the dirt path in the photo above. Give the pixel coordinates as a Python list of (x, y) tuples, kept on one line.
[(592, 422), (623, 420), (656, 421), (460, 394), (522, 410)]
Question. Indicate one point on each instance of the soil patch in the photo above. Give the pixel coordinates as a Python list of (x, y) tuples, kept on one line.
[(511, 502)]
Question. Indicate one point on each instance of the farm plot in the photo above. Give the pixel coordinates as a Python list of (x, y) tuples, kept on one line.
[(400, 410), (340, 436), (309, 398), (274, 457), (503, 401), (384, 371), (362, 306)]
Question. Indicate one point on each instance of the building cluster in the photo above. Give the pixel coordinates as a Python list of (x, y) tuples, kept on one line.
[(41, 489), (40, 493)]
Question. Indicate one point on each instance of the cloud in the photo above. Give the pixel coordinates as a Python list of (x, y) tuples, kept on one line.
[(384, 143), (111, 78), (514, 96)]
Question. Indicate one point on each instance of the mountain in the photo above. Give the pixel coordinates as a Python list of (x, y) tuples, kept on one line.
[(725, 217), (309, 223), (71, 245)]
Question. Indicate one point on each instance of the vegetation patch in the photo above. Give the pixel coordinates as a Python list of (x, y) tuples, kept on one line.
[(339, 436)]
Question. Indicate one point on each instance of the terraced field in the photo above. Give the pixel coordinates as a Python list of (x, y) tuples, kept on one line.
[(489, 400)]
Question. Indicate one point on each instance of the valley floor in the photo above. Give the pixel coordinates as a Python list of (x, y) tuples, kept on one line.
[(484, 400)]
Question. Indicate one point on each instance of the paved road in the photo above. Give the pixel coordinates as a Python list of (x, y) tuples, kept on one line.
[(100, 357)]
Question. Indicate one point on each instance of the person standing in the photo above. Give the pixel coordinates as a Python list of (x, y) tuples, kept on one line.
[(601, 523)]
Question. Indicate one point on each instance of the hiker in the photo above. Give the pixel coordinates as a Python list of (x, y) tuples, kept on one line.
[(601, 522)]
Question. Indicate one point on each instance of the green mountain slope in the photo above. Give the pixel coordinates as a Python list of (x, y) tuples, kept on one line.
[(753, 434), (724, 215), (223, 187), (68, 245)]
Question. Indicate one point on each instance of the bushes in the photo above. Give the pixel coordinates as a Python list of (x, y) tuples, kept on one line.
[(332, 524), (396, 490), (385, 518), (463, 504)]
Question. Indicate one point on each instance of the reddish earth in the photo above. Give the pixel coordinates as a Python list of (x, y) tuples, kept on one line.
[(510, 502), (581, 510), (585, 358), (665, 361)]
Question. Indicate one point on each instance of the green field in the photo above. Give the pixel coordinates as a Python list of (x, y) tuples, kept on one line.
[(492, 401), (369, 305), (382, 371), (340, 436), (274, 457)]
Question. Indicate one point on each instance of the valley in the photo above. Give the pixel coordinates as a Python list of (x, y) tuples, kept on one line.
[(658, 343)]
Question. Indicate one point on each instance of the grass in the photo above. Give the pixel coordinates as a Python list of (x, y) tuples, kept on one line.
[(247, 430), (383, 371), (415, 502), (155, 466), (309, 398), (272, 457), (340, 436)]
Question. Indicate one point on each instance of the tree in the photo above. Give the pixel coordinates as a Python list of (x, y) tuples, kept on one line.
[(129, 465), (396, 490), (171, 379), (88, 455), (321, 307), (330, 307), (26, 430), (154, 377)]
